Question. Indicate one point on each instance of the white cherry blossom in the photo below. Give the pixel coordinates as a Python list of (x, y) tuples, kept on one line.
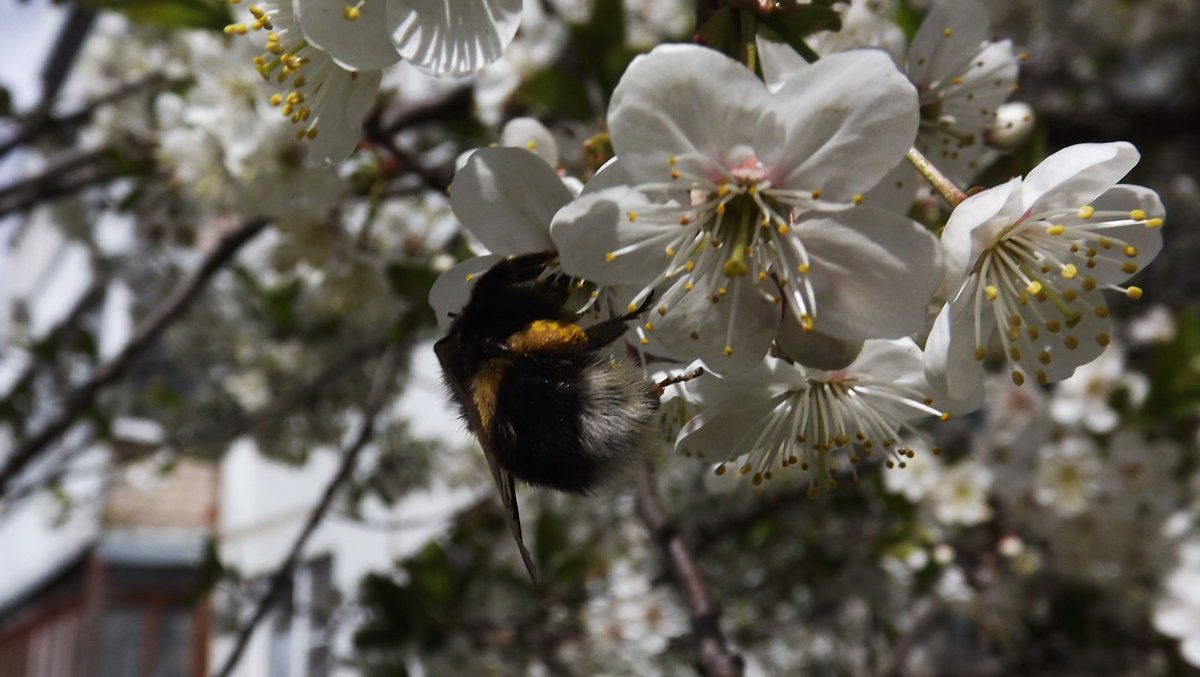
[(779, 415), (742, 204), (1028, 261)]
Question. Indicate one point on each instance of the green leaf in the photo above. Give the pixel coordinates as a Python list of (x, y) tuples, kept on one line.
[(793, 26), (210, 14), (556, 91)]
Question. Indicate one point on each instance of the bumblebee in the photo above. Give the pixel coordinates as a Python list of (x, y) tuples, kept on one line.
[(542, 394)]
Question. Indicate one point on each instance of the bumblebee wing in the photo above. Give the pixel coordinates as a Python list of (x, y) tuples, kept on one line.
[(447, 351), (512, 514)]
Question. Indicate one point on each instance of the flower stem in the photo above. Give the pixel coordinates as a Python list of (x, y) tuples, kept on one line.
[(952, 193)]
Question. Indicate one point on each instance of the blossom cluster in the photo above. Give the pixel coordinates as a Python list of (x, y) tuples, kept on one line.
[(327, 56), (764, 226)]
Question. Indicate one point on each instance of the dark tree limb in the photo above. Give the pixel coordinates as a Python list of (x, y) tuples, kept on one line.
[(713, 657), (41, 122), (279, 580), (162, 316)]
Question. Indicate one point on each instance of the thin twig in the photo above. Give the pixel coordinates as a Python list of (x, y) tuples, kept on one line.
[(283, 574), (42, 122), (945, 187), (68, 176), (713, 657), (162, 316)]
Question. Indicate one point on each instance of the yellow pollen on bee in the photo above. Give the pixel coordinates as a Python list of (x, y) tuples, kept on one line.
[(1069, 271), (1086, 211), (1154, 223), (1071, 342), (1134, 293), (1044, 357), (1056, 229), (1129, 267), (631, 215), (1138, 215), (991, 292), (1018, 378), (609, 256), (980, 353)]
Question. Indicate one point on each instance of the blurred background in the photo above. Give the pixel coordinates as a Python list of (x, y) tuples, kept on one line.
[(225, 446)]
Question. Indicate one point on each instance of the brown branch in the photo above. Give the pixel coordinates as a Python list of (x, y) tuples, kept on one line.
[(68, 176), (713, 657), (279, 580), (162, 316), (42, 122)]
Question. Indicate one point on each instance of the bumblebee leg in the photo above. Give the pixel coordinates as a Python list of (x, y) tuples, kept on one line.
[(604, 333)]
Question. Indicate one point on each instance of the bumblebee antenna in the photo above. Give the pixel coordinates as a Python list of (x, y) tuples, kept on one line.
[(678, 378)]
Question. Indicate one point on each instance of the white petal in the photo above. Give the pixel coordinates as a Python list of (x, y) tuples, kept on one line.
[(1076, 175), (895, 361), (951, 34), (507, 197), (728, 432), (812, 348), (849, 117), (362, 44), (1147, 241), (587, 230), (731, 335), (450, 292), (950, 364), (975, 223), (338, 110), (873, 272), (691, 103), (455, 37), (531, 135)]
